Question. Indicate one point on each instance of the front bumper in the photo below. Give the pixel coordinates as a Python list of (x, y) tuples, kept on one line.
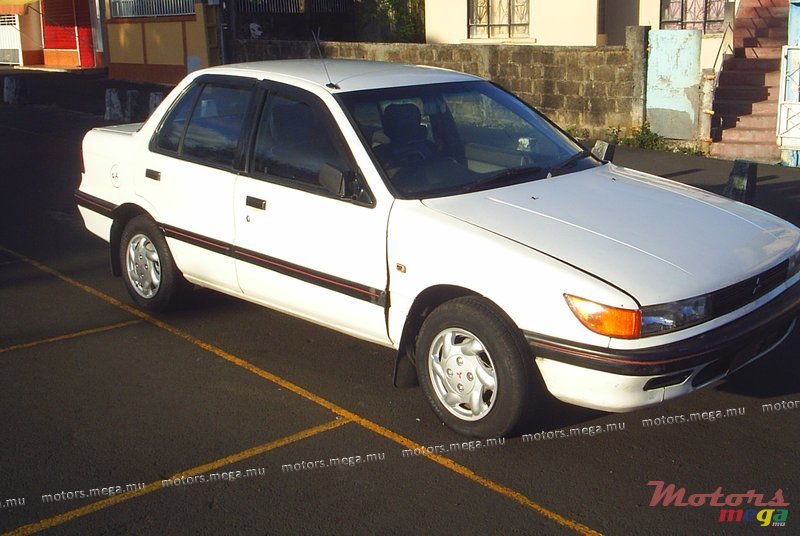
[(624, 380)]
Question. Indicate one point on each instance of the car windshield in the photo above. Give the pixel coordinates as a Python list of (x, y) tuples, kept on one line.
[(445, 139)]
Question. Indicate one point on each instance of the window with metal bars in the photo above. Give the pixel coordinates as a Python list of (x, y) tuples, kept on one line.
[(705, 15), (498, 19), (295, 6), (151, 8)]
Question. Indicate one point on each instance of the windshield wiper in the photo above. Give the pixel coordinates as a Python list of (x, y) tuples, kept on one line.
[(568, 162), (503, 176)]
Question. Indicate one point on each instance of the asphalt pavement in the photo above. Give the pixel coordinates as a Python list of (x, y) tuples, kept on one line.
[(215, 418)]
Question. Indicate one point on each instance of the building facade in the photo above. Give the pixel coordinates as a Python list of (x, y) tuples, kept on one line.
[(572, 22), (51, 33), (161, 41), (144, 40)]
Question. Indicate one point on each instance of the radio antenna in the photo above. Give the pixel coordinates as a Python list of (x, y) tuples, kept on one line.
[(330, 83)]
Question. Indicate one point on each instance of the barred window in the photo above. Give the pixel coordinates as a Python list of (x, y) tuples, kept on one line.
[(270, 6), (498, 18), (705, 15), (151, 8), (295, 6)]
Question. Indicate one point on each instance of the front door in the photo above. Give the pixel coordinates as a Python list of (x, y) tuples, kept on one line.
[(299, 247)]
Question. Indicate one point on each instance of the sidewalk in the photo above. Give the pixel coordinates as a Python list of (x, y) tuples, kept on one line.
[(778, 189)]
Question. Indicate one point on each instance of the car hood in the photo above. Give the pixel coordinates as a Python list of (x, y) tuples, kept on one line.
[(656, 239)]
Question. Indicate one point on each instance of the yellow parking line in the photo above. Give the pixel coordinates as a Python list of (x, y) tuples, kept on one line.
[(308, 395), (58, 338), (156, 486)]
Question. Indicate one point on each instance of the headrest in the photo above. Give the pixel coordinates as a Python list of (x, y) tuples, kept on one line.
[(401, 122)]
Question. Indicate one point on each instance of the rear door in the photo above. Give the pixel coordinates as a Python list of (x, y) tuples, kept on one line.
[(190, 174), (299, 247)]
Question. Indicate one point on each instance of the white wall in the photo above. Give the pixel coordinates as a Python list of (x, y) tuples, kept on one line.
[(559, 22), (445, 21), (550, 22), (650, 13), (556, 23)]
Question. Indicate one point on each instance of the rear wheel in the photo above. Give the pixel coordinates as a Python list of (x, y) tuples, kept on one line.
[(475, 367), (150, 274)]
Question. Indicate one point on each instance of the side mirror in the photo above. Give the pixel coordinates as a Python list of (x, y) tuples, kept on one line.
[(343, 184), (333, 180)]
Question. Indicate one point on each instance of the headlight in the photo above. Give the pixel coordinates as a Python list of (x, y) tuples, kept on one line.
[(604, 319), (635, 323), (664, 317), (794, 264), (676, 315)]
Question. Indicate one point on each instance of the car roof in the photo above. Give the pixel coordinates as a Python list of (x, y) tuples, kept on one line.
[(347, 75)]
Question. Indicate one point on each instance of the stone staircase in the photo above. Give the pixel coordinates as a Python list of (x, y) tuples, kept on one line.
[(746, 99)]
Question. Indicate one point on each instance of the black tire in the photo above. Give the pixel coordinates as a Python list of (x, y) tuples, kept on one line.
[(481, 336), (150, 274)]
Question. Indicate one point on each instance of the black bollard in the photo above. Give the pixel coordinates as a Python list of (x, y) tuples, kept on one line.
[(742, 182), (113, 106), (132, 110), (14, 90)]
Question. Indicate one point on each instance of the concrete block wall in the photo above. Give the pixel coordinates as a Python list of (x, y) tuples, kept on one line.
[(588, 88)]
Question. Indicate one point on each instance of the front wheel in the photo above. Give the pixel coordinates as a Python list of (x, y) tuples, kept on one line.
[(475, 367), (150, 274)]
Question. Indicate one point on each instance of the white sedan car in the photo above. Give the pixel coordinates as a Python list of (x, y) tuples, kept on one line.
[(432, 212)]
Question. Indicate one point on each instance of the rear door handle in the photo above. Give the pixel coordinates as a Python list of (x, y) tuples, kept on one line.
[(255, 202), (153, 174)]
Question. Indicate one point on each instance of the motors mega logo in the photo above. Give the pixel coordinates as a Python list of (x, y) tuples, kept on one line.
[(749, 507)]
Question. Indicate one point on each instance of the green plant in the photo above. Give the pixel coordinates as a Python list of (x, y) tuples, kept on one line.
[(397, 20), (613, 135), (577, 132), (688, 149), (644, 138)]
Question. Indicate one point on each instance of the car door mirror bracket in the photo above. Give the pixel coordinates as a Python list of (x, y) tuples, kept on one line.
[(345, 185)]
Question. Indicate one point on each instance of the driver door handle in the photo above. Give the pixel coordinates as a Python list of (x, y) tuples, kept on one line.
[(255, 202)]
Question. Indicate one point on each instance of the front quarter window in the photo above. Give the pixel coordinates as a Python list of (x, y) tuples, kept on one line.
[(445, 139), (171, 131)]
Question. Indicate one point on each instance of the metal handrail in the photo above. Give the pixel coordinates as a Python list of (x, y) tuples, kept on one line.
[(725, 47)]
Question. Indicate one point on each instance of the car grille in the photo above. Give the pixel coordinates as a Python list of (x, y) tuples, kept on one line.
[(730, 298)]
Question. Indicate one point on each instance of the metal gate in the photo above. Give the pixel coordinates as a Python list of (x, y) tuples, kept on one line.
[(789, 99), (10, 41)]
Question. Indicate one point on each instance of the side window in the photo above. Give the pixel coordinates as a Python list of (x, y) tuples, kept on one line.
[(294, 141), (171, 131), (204, 124), (215, 124)]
